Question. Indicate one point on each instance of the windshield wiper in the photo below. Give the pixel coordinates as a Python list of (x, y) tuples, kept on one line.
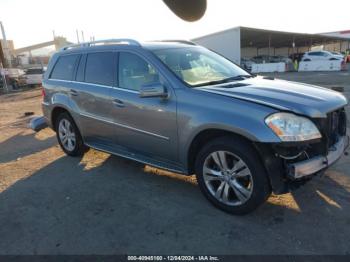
[(225, 80)]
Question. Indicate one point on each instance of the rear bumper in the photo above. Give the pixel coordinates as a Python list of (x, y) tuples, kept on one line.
[(318, 163), (46, 108)]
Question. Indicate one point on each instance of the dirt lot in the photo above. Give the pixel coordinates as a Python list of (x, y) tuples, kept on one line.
[(103, 204)]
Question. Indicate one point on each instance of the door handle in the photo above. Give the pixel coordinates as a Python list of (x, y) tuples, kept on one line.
[(118, 103), (73, 92)]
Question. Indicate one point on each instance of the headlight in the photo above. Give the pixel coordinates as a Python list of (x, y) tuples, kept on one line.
[(290, 127)]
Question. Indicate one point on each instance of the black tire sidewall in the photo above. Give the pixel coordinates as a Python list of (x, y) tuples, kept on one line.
[(242, 149)]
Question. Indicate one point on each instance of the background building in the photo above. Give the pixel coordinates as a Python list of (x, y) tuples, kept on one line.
[(29, 56), (244, 42)]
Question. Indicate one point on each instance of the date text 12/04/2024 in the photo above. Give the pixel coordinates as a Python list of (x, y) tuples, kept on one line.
[(173, 258)]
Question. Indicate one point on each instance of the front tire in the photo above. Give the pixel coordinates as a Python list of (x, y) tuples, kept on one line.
[(231, 176), (68, 135)]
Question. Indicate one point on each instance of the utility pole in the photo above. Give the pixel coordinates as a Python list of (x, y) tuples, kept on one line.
[(6, 48), (269, 46), (82, 36), (78, 36)]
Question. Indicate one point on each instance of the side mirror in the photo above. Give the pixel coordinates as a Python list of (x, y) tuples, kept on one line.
[(153, 90)]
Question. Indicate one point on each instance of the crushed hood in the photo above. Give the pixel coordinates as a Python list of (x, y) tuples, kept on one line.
[(309, 100)]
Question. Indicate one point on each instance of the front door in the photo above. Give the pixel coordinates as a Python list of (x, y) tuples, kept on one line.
[(143, 125)]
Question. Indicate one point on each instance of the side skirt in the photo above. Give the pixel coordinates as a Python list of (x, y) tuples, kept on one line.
[(137, 157)]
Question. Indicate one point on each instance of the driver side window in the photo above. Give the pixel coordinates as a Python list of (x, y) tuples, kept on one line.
[(134, 72)]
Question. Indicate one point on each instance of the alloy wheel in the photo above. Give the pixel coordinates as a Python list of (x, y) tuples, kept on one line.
[(228, 178), (66, 134)]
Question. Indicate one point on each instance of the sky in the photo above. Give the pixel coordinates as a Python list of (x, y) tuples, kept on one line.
[(29, 22)]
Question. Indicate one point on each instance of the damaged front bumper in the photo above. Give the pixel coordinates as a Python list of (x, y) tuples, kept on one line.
[(317, 163)]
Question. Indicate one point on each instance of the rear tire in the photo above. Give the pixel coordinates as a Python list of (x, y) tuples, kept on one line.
[(68, 135), (231, 176)]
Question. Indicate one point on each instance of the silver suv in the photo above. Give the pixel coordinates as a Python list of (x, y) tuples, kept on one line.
[(181, 107)]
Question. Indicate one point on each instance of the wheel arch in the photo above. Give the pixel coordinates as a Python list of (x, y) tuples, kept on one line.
[(202, 137), (271, 164), (56, 111)]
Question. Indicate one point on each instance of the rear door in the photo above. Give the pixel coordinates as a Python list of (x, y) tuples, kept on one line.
[(60, 79), (143, 125), (94, 79)]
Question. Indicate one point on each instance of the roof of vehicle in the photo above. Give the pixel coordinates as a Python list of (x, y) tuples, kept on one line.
[(155, 45), (127, 43)]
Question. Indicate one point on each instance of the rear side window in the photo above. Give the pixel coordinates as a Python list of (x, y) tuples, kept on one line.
[(100, 68), (64, 67)]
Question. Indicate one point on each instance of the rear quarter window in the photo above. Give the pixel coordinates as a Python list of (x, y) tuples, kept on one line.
[(64, 67)]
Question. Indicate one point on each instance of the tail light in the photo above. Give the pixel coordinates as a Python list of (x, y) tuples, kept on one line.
[(43, 94)]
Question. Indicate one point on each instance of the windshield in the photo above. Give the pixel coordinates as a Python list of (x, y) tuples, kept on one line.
[(198, 66)]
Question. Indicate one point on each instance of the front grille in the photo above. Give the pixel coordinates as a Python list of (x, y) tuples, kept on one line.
[(332, 127), (336, 126)]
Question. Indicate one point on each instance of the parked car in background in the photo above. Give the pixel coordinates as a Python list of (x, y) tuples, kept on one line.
[(280, 58), (184, 108), (34, 76), (15, 77), (321, 56), (261, 59), (246, 64)]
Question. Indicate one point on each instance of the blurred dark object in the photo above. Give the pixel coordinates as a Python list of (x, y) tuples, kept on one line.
[(338, 88), (189, 10), (296, 56), (28, 113), (1, 81), (37, 123), (2, 57)]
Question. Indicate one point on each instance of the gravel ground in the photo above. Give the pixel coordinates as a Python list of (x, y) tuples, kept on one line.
[(103, 204)]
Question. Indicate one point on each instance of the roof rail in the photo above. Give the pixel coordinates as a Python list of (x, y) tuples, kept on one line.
[(178, 41), (106, 41)]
